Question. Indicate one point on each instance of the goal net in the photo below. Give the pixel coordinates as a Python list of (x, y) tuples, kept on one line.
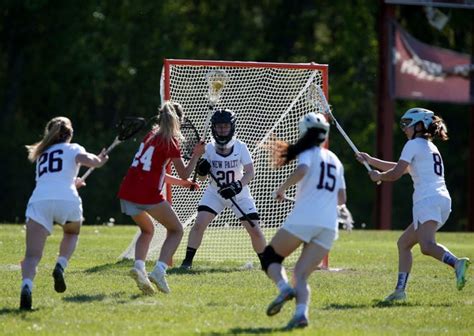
[(268, 99)]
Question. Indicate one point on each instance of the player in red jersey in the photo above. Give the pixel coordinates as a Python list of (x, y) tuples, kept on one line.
[(141, 198)]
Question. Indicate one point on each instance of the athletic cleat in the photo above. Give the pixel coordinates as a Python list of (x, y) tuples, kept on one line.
[(397, 295), (185, 266), (58, 276), (297, 322), (276, 305), (158, 278), (460, 268), (143, 283), (25, 298)]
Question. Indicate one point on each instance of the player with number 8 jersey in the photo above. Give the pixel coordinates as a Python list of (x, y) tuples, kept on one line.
[(431, 200), (230, 165), (141, 198)]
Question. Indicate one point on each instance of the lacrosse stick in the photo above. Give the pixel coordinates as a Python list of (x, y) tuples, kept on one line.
[(233, 201), (127, 128), (216, 81), (315, 94), (189, 140)]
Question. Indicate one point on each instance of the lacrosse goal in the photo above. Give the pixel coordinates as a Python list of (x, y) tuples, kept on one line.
[(268, 99)]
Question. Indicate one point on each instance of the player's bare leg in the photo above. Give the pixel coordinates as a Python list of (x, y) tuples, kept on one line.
[(256, 235), (283, 244), (311, 256), (426, 234), (36, 236), (165, 214), (147, 229), (67, 247), (138, 272), (405, 244)]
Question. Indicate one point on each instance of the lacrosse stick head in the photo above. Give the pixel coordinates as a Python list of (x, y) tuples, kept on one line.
[(189, 139), (129, 126), (315, 96), (216, 81)]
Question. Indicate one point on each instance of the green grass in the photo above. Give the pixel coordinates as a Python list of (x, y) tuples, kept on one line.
[(220, 299)]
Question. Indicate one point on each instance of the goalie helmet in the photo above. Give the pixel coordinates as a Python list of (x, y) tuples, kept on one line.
[(314, 120), (223, 116), (415, 115)]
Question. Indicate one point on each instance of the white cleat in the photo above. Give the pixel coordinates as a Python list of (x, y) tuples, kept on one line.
[(397, 295), (159, 279), (460, 269), (143, 283)]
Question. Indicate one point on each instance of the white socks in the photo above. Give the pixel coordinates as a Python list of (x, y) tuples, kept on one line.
[(283, 285), (140, 265), (162, 266), (27, 282), (63, 262), (301, 309)]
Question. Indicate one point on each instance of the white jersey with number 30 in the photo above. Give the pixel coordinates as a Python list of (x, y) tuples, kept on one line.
[(426, 168), (228, 168), (56, 170)]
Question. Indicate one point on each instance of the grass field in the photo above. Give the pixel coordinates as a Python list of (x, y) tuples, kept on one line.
[(220, 298)]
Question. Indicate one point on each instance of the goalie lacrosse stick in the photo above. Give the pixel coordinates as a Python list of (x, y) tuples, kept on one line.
[(127, 128), (315, 94), (233, 201), (216, 81)]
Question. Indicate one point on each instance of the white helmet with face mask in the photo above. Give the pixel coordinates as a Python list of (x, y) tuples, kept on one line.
[(314, 120), (415, 115)]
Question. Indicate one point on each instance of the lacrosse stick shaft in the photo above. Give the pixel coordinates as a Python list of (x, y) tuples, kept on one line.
[(203, 138), (340, 129), (233, 202), (107, 151)]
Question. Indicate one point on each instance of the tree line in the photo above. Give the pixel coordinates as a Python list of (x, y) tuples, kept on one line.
[(98, 61)]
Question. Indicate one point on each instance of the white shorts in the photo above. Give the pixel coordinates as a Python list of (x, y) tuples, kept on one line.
[(216, 202), (315, 234), (48, 212), (436, 208)]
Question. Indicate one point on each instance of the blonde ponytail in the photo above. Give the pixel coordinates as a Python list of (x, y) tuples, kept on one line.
[(169, 123), (57, 130)]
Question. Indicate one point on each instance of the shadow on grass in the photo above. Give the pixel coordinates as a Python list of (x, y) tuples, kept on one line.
[(203, 270), (83, 298), (105, 267), (246, 331), (16, 311)]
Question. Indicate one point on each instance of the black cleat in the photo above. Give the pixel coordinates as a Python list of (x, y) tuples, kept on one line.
[(185, 266), (25, 298), (58, 276)]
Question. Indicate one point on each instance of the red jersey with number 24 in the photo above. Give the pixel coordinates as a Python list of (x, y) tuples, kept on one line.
[(146, 175)]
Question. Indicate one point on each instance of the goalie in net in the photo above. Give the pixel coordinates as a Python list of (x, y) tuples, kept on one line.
[(227, 160)]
